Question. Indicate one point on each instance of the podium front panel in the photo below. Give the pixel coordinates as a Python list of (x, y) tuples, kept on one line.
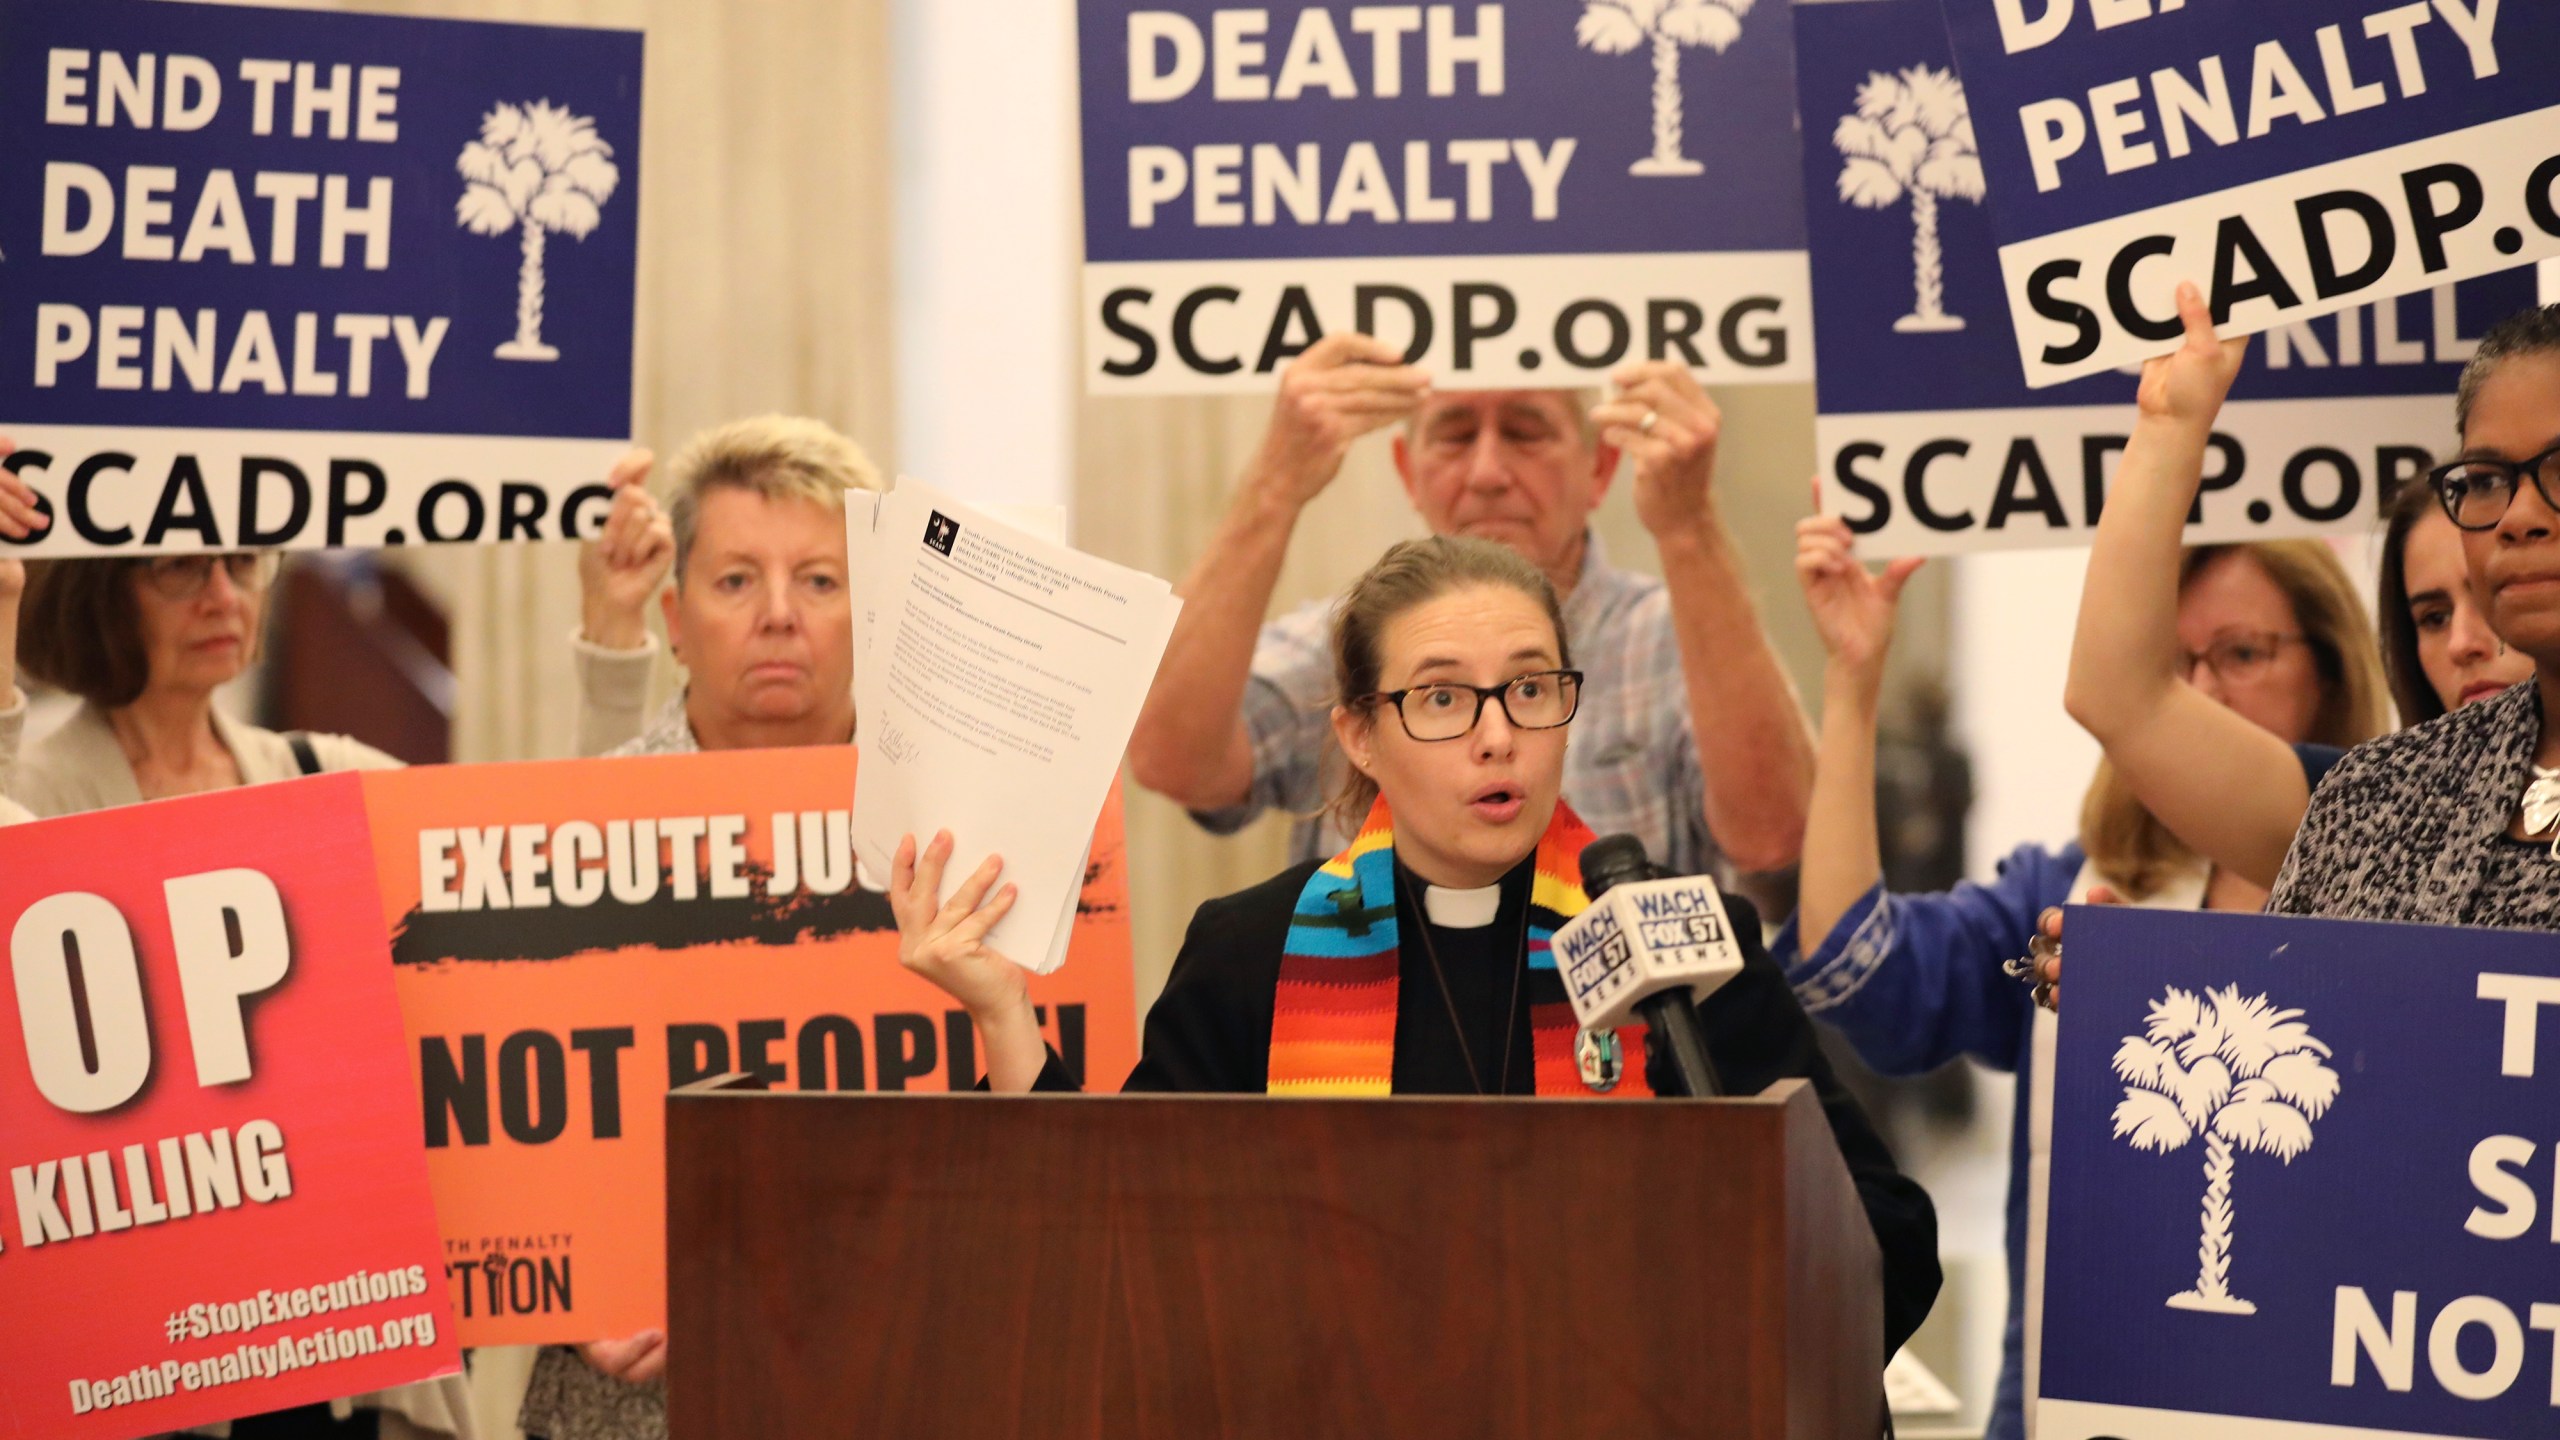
[(1194, 1266)]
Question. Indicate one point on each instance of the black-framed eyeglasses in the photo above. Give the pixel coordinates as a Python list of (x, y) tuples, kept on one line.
[(183, 577), (2477, 492), (1539, 700)]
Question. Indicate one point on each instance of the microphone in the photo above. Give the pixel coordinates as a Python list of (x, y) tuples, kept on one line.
[(1652, 945)]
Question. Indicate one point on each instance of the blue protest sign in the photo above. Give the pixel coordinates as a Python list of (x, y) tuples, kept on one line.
[(1931, 441), (1515, 194), (2295, 157), (285, 278), (2303, 1181)]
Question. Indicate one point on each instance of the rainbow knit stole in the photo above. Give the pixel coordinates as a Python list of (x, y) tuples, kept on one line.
[(1333, 1021)]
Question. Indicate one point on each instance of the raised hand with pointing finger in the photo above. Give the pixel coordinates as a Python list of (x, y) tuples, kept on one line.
[(621, 569), (2188, 384)]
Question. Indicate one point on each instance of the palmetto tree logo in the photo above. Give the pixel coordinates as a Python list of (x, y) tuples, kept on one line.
[(1617, 27), (1912, 136), (2241, 1073), (536, 168)]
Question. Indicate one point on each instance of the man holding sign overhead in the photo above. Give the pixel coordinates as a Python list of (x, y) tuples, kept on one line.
[(1694, 741)]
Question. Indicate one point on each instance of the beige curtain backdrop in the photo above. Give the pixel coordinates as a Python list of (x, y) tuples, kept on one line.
[(764, 286)]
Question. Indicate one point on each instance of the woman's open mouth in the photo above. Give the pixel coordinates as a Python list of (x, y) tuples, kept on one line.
[(1498, 804)]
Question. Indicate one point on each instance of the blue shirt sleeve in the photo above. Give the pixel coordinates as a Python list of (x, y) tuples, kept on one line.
[(2316, 761), (1913, 981)]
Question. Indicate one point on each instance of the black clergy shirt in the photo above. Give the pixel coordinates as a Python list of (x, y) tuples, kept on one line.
[(1210, 1031)]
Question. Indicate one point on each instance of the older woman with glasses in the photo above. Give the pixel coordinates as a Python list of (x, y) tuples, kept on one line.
[(145, 643)]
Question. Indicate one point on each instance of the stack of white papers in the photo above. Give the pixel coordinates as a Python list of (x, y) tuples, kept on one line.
[(997, 675)]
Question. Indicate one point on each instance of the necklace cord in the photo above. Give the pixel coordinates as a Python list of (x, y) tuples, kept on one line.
[(1511, 1019)]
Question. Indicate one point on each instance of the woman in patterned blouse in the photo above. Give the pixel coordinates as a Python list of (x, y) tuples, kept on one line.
[(2458, 820), (2220, 783)]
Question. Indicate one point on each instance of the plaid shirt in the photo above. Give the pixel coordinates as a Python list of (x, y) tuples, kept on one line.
[(1631, 765)]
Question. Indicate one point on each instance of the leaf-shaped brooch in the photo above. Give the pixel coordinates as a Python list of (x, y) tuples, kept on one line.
[(2541, 806)]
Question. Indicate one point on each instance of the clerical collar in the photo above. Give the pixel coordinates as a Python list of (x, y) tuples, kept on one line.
[(1462, 909)]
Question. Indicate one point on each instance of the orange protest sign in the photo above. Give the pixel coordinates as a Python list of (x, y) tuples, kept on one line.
[(572, 938)]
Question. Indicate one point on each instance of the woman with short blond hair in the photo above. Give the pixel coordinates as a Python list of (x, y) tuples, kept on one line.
[(769, 493)]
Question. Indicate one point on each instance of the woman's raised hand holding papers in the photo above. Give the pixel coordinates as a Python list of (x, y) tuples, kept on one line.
[(945, 942)]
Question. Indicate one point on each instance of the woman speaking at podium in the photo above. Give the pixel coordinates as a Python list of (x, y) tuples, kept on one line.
[(1415, 962)]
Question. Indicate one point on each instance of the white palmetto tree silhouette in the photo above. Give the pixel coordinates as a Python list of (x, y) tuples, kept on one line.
[(1616, 27), (537, 168), (1912, 136), (2241, 1073)]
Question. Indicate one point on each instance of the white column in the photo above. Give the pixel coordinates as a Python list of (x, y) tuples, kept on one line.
[(987, 248), (2012, 618)]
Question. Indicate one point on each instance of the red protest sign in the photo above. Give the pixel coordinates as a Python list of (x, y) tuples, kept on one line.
[(217, 1203)]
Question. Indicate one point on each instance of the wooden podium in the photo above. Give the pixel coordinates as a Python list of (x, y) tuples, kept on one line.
[(1131, 1267)]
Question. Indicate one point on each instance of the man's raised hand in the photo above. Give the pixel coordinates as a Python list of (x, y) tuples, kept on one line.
[(1665, 422), (1342, 388)]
